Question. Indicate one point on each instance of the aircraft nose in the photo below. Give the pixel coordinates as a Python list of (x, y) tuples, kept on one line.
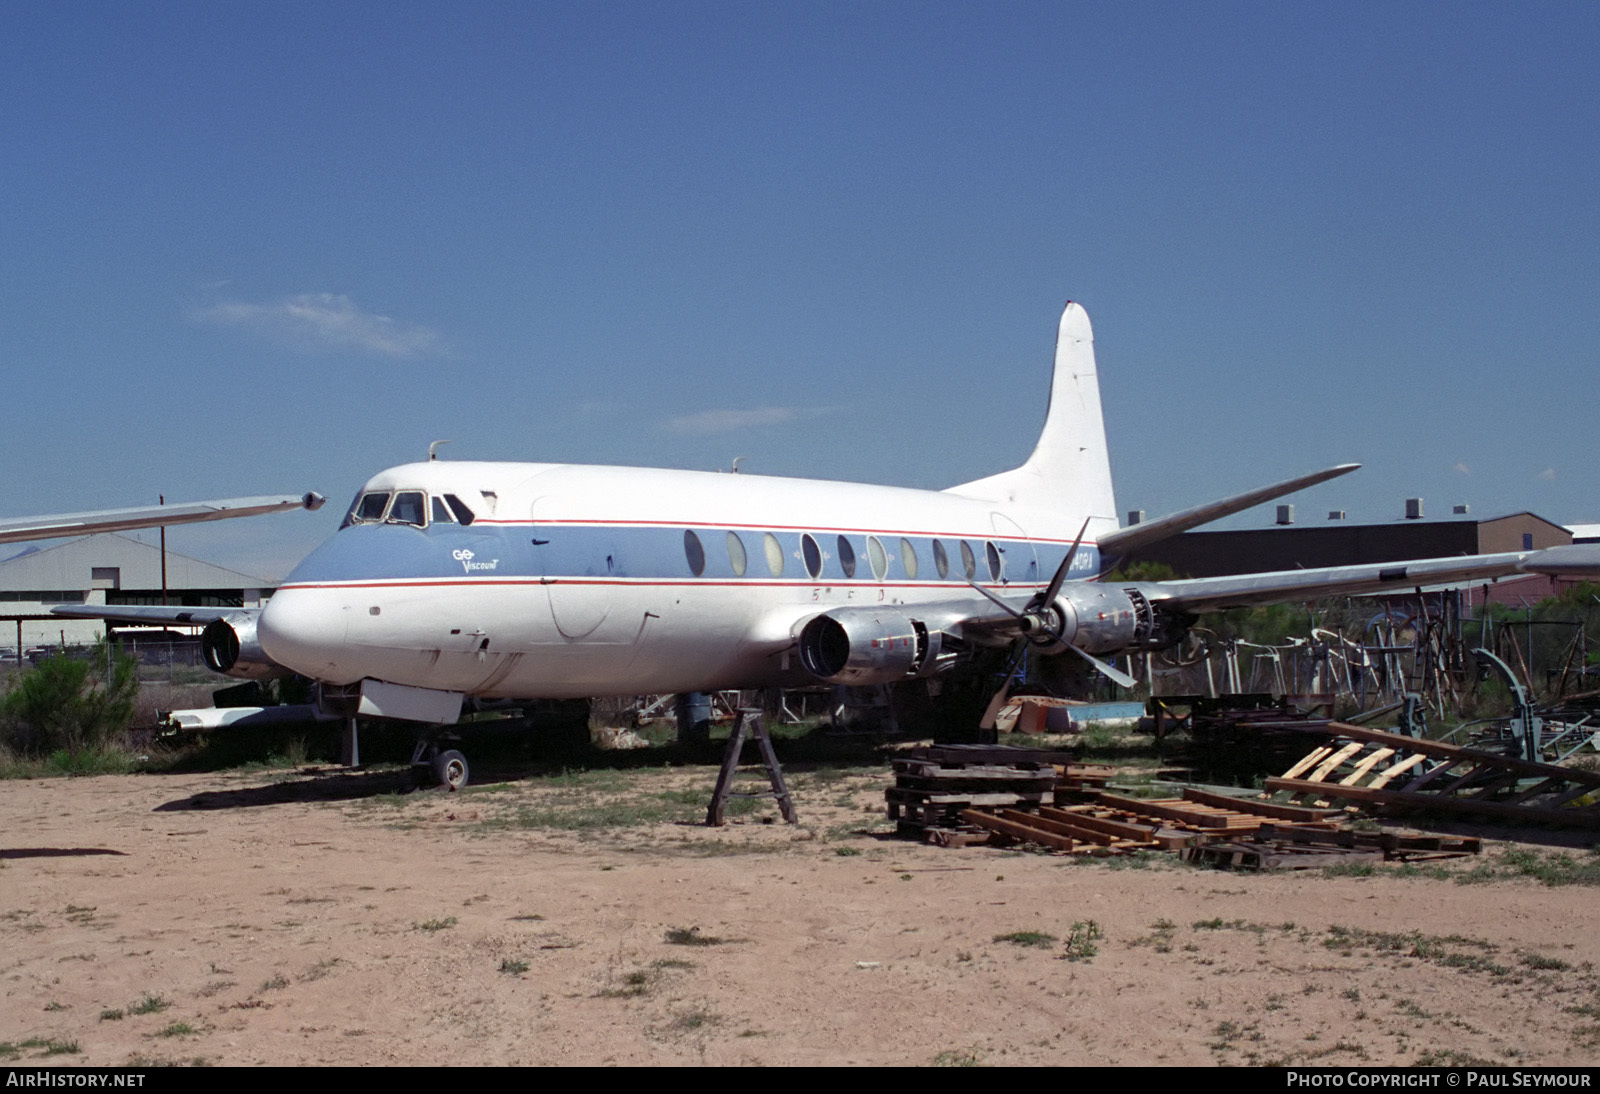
[(304, 630)]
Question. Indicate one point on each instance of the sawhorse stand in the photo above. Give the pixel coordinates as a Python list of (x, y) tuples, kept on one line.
[(749, 721)]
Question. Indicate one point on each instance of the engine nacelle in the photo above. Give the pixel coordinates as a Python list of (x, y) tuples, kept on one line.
[(1099, 618), (862, 647), (229, 646)]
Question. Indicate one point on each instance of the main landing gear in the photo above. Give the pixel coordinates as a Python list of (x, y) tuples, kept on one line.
[(432, 765)]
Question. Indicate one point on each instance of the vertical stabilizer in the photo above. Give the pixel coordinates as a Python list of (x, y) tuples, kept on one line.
[(1070, 469)]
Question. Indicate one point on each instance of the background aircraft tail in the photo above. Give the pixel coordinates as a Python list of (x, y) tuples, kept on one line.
[(1070, 469)]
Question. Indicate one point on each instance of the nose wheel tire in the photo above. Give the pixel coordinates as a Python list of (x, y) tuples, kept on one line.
[(450, 769)]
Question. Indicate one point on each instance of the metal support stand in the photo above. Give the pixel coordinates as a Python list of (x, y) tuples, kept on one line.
[(749, 721), (350, 744)]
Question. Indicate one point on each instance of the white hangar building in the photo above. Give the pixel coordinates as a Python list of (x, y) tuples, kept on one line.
[(106, 569)]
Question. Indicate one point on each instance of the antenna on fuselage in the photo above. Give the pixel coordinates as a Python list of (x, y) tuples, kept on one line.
[(736, 460), (433, 450)]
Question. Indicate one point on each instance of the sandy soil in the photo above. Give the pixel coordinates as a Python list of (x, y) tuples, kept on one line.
[(299, 918)]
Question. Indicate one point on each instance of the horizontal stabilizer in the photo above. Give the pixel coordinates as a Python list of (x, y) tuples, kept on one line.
[(148, 615), (149, 516), (1135, 536)]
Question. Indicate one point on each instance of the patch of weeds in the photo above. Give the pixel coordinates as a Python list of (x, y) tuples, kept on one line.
[(111, 1015), (54, 1006), (691, 936), (176, 1029), (277, 983), (1449, 1057), (1082, 939), (1445, 950), (1350, 869), (1160, 936), (958, 1057), (846, 852), (321, 969), (150, 1004), (1555, 869), (1543, 963), (12, 1050), (698, 1018), (514, 968), (1411, 1010), (1036, 939), (431, 925)]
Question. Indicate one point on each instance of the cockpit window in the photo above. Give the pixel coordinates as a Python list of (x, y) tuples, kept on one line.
[(463, 514), (371, 506), (409, 508), (441, 512)]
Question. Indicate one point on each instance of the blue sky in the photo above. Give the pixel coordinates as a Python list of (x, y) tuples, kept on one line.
[(251, 248)]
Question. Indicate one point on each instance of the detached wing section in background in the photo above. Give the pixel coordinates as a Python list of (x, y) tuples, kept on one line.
[(152, 516)]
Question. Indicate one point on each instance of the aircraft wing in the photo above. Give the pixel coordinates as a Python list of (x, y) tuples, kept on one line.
[(150, 615), (1208, 594), (150, 516)]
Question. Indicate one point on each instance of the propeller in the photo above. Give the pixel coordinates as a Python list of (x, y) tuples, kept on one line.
[(1040, 621)]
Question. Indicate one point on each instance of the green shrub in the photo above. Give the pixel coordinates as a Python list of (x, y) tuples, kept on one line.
[(71, 705)]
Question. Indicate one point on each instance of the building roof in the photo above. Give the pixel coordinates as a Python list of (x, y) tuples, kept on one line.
[(73, 565)]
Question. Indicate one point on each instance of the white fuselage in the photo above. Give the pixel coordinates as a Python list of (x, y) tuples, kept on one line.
[(573, 581)]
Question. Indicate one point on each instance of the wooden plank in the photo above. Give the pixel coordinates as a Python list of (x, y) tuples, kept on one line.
[(1332, 762), (1441, 750), (1055, 827), (1366, 764), (1256, 806), (1117, 828), (1383, 778), (1017, 831), (1200, 816), (1306, 762)]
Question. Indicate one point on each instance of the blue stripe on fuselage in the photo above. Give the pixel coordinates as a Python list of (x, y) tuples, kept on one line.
[(399, 552)]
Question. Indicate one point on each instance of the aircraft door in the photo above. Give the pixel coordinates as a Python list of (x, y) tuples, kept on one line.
[(1021, 561), (575, 567)]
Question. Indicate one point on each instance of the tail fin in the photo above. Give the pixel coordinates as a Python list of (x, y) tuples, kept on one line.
[(1070, 469)]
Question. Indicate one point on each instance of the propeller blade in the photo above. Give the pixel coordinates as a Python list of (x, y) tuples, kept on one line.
[(1000, 603), (1116, 675), (1060, 577)]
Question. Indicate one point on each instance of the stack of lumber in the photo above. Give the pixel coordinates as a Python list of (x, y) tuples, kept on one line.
[(934, 785)]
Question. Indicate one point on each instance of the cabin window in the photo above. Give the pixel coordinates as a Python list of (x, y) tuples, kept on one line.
[(695, 552), (441, 512), (992, 554), (371, 506), (774, 551), (459, 508), (812, 555), (908, 558), (969, 564), (409, 508), (941, 559), (847, 557), (878, 558), (737, 558)]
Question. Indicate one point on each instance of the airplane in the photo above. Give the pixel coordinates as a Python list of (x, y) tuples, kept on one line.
[(454, 582)]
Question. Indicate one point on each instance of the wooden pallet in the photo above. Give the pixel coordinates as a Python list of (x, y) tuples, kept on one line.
[(1294, 847), (1387, 770)]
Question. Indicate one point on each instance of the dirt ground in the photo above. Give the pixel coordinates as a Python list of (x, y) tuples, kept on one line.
[(314, 916)]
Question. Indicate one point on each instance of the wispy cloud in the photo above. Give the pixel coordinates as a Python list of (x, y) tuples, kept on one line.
[(313, 322), (731, 421), (1547, 475), (1462, 468)]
